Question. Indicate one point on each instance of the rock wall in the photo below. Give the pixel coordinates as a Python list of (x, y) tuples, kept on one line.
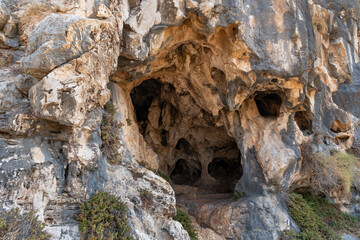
[(219, 95)]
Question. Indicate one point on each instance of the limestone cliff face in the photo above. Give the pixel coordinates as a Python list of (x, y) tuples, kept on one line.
[(219, 95)]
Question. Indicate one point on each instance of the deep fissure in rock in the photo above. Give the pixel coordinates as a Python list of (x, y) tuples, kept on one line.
[(192, 149), (268, 104), (142, 99)]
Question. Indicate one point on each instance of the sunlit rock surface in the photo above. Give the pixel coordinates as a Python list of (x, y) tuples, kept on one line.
[(218, 95)]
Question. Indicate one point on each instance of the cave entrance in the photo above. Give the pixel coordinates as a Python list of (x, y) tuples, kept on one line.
[(186, 172), (304, 121), (268, 104), (194, 150)]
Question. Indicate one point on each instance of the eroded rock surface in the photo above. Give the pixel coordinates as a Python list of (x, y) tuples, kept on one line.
[(219, 95)]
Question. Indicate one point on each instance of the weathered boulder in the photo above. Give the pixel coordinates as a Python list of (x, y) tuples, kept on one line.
[(57, 40)]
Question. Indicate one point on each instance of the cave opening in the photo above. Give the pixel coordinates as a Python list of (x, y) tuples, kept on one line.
[(304, 121), (268, 104), (186, 172), (338, 127), (142, 98), (194, 150)]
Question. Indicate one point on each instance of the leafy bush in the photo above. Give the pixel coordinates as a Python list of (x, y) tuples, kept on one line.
[(16, 226), (318, 219), (109, 135), (103, 217), (185, 221), (337, 171)]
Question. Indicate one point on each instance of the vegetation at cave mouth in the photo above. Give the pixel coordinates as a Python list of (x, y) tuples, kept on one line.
[(319, 219)]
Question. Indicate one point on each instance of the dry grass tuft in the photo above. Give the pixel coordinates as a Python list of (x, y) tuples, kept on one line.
[(339, 171)]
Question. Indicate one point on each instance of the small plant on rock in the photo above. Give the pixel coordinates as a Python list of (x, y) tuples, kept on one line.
[(109, 135), (16, 226), (295, 36), (238, 195), (275, 184), (337, 171), (164, 176), (157, 172), (146, 197), (185, 221), (128, 121), (103, 217), (318, 219)]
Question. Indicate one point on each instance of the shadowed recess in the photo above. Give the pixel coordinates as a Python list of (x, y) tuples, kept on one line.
[(268, 104), (186, 172), (304, 121)]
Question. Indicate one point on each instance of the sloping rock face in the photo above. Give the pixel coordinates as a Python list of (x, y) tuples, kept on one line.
[(219, 95)]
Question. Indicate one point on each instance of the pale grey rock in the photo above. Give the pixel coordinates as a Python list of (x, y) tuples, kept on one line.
[(63, 95), (142, 18), (3, 15), (103, 12), (24, 82), (134, 46), (172, 12), (349, 237), (218, 58), (175, 230), (10, 29), (57, 40), (63, 232), (6, 42)]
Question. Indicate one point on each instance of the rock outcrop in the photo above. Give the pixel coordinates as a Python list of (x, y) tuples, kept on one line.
[(219, 95)]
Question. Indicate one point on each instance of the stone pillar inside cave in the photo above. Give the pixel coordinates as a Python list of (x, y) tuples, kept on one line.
[(193, 148)]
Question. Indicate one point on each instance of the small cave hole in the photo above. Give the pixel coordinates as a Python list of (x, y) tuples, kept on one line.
[(183, 145), (304, 121), (342, 139), (186, 172), (338, 127), (268, 104)]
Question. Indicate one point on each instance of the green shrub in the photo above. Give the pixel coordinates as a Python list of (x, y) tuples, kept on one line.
[(318, 219), (185, 221), (103, 217), (109, 135), (238, 195), (157, 172), (337, 171), (128, 121), (16, 226), (164, 176)]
